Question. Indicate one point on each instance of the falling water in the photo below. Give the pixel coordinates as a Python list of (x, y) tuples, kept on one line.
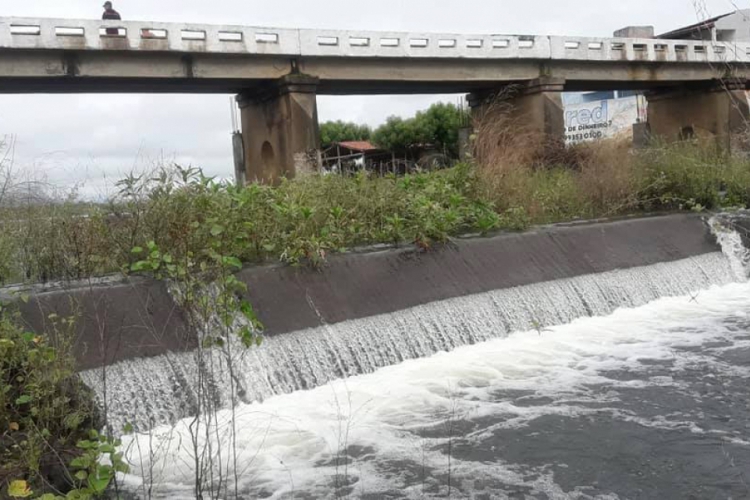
[(162, 390)]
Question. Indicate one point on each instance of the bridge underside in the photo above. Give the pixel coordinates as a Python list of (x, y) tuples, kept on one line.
[(277, 94), (42, 71)]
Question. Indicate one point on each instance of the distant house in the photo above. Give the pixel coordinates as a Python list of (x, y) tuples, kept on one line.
[(350, 156), (731, 27)]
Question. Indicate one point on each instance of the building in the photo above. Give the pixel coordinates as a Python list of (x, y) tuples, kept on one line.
[(351, 156), (731, 27)]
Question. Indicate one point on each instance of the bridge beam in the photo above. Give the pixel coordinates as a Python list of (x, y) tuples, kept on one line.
[(280, 130), (718, 111), (534, 108)]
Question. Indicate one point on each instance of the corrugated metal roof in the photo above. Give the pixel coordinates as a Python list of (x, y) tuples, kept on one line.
[(706, 25), (358, 145)]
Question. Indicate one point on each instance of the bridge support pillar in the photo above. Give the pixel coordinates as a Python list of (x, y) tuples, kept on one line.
[(534, 109), (719, 112), (280, 130)]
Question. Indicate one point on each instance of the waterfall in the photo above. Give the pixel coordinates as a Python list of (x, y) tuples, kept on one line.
[(163, 389)]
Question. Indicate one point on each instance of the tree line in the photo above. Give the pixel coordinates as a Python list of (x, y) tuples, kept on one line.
[(436, 126)]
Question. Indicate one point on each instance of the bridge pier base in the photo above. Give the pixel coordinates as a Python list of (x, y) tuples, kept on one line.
[(280, 131), (719, 112), (534, 109)]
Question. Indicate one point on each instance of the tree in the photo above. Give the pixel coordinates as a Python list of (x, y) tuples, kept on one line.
[(437, 126), (340, 131), (396, 134)]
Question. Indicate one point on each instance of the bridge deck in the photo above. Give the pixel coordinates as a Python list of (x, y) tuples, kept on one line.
[(67, 55)]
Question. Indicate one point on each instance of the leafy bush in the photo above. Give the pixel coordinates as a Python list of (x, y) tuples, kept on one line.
[(437, 126), (48, 442)]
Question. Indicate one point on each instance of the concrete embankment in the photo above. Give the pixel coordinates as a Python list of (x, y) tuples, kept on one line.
[(137, 317)]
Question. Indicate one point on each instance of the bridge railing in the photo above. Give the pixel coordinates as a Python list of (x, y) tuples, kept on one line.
[(68, 34)]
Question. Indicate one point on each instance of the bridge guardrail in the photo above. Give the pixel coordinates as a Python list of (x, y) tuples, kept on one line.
[(71, 34)]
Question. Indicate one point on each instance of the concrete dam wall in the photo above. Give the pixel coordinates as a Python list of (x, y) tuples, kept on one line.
[(371, 309)]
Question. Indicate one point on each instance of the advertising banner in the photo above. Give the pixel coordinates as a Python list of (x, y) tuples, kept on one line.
[(608, 119)]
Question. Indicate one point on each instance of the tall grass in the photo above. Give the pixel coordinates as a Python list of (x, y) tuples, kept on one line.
[(519, 169), (517, 178)]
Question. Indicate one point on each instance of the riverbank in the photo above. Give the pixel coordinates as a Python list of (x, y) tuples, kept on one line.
[(202, 269), (186, 216)]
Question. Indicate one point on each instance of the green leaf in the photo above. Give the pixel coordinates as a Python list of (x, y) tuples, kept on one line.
[(107, 448), (81, 475), (233, 262), (246, 308), (141, 265), (19, 489), (127, 428), (81, 462), (217, 230), (137, 250), (86, 445), (98, 482), (22, 400)]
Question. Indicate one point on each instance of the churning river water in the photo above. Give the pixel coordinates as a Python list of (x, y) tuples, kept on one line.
[(651, 402)]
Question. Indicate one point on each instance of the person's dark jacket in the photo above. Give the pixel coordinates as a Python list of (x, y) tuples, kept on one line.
[(112, 15)]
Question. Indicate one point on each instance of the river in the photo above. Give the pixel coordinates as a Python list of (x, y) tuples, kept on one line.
[(651, 402)]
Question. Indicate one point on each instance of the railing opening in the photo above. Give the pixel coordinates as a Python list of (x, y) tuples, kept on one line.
[(328, 40), (446, 44), (267, 38), (68, 31), (419, 42), (23, 29), (113, 32), (195, 35), (158, 34), (389, 42), (230, 36), (358, 41)]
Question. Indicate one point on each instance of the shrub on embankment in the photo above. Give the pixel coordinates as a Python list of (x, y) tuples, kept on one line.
[(609, 178), (49, 443), (187, 215), (305, 220)]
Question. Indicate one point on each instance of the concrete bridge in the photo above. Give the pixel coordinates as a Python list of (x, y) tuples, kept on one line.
[(277, 73)]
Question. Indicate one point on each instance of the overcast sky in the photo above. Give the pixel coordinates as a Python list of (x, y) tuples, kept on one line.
[(92, 140)]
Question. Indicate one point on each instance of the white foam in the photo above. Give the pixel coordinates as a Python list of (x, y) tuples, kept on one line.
[(164, 389), (281, 439)]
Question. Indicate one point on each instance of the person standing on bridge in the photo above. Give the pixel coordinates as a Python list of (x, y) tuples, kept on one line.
[(111, 14)]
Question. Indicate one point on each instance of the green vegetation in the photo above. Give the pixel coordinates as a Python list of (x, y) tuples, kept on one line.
[(303, 221), (438, 126), (180, 225), (339, 131), (49, 446), (300, 221)]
